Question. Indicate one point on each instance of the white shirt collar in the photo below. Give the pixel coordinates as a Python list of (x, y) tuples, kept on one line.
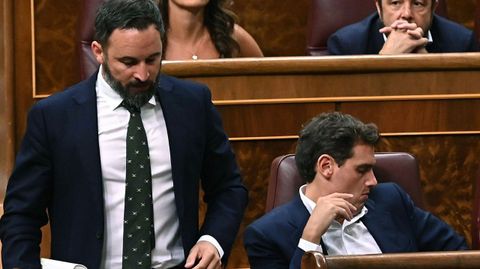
[(310, 205)]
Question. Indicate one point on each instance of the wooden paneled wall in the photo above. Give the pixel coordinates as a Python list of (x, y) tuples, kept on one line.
[(6, 90), (427, 105)]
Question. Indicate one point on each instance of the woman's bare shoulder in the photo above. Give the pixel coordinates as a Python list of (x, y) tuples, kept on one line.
[(248, 45)]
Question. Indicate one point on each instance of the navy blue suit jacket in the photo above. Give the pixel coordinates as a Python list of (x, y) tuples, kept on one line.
[(58, 172), (363, 37), (392, 219)]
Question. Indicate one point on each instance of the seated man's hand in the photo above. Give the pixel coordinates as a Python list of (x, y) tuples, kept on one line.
[(328, 208), (203, 255), (403, 37)]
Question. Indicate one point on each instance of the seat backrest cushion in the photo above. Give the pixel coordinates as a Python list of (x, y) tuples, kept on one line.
[(398, 167)]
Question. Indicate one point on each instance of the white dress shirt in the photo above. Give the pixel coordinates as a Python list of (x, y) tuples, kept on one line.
[(348, 238), (112, 130)]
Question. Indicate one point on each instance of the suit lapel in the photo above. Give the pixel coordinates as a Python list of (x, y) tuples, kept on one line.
[(298, 220), (171, 112), (384, 229), (376, 43), (83, 113)]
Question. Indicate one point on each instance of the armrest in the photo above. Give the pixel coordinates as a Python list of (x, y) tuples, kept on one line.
[(418, 260)]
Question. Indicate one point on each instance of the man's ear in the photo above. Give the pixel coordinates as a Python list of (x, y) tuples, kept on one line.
[(98, 52), (325, 165)]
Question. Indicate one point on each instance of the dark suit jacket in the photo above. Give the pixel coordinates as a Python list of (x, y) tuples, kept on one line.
[(392, 219), (58, 171), (363, 37)]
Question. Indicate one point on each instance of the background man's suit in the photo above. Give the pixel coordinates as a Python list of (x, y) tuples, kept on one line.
[(58, 167), (363, 37), (392, 219)]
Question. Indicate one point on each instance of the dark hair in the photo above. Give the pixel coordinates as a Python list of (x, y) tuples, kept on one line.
[(380, 3), (219, 22), (126, 14), (334, 134)]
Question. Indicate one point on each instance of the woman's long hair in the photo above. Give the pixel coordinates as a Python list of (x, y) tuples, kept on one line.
[(219, 22)]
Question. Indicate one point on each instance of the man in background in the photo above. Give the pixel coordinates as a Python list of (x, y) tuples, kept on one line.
[(341, 210), (115, 162), (402, 26)]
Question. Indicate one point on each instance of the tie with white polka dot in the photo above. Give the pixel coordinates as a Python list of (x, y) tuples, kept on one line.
[(138, 233)]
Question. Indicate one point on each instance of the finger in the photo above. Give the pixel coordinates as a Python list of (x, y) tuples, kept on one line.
[(203, 262), (348, 210), (415, 34), (201, 265), (347, 207), (406, 26), (341, 195), (421, 42), (215, 264), (396, 23), (386, 30), (192, 258)]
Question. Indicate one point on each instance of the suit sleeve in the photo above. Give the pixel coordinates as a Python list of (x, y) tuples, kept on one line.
[(432, 234), (225, 195), (262, 253), (334, 45), (27, 198), (473, 43)]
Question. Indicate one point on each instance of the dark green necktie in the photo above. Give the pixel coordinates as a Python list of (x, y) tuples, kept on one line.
[(138, 233)]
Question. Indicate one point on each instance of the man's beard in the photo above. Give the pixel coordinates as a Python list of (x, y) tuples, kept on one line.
[(137, 99)]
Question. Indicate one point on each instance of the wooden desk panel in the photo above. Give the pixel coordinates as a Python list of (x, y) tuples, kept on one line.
[(251, 121), (419, 116)]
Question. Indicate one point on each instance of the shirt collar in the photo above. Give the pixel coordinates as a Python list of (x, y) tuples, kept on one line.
[(310, 205), (113, 99)]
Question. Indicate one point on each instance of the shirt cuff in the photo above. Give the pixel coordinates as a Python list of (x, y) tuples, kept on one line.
[(309, 246), (213, 241)]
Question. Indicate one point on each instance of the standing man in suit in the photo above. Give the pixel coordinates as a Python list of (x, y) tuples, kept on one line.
[(341, 210), (402, 26), (71, 169)]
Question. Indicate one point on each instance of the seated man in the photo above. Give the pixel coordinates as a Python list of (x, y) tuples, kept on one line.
[(405, 26), (341, 210)]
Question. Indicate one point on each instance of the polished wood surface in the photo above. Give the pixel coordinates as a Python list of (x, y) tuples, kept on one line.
[(421, 260), (252, 92)]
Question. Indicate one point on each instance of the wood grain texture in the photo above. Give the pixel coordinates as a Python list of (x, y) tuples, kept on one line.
[(55, 44), (7, 136), (277, 26), (423, 260)]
